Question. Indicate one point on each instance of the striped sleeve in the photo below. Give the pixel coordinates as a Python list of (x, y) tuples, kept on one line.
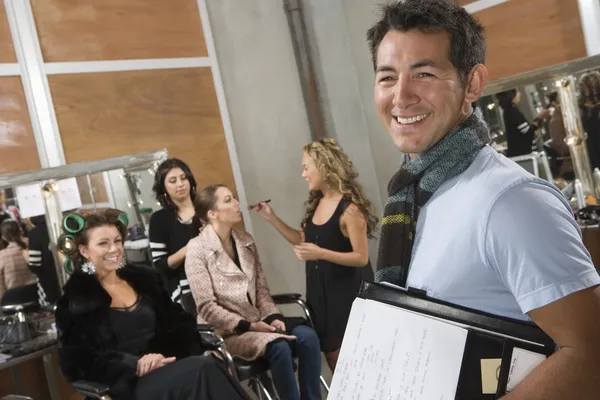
[(158, 242), (523, 127), (183, 287), (519, 122), (159, 250), (35, 258), (34, 251)]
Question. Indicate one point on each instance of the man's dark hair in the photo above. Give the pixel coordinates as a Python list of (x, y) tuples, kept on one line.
[(467, 42)]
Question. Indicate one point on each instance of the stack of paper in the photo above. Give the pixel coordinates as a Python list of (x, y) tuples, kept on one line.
[(390, 353)]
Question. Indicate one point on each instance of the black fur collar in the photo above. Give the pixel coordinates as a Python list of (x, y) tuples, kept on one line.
[(83, 292)]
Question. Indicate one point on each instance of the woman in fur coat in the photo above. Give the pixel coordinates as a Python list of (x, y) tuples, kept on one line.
[(117, 325)]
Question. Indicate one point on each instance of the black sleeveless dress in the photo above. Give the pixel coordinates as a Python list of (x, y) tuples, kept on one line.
[(331, 288)]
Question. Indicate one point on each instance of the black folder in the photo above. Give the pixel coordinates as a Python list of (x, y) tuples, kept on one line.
[(489, 336)]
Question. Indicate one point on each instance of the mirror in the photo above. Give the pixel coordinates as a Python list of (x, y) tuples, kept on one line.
[(38, 200), (538, 120)]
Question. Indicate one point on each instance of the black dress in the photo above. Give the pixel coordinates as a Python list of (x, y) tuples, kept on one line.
[(590, 117), (41, 263), (185, 379), (331, 288), (519, 133)]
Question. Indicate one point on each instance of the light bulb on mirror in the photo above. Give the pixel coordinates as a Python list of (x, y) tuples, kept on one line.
[(49, 188)]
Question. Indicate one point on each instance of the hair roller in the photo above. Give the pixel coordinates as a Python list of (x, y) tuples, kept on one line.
[(123, 218), (68, 266), (66, 244), (73, 219)]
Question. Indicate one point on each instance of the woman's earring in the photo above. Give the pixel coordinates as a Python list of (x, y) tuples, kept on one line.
[(123, 262), (88, 267)]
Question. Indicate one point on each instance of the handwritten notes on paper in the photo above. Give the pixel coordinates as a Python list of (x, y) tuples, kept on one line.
[(30, 200), (392, 354), (68, 194)]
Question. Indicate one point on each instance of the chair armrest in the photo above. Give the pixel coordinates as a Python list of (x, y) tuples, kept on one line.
[(209, 339), (286, 298), (294, 298), (202, 328), (210, 342), (91, 389)]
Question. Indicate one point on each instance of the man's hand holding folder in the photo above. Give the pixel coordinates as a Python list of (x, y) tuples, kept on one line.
[(573, 372)]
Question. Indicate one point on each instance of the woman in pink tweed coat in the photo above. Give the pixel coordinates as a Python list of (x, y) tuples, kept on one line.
[(231, 293)]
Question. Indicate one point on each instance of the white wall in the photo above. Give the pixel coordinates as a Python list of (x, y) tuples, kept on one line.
[(343, 105), (337, 31), (269, 121)]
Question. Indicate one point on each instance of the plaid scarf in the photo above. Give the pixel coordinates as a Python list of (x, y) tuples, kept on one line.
[(414, 184)]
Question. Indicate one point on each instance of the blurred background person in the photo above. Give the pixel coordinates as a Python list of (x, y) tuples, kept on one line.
[(14, 271), (41, 261), (519, 132), (589, 102)]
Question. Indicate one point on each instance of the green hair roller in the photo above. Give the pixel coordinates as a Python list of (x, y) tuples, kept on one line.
[(68, 266), (124, 219), (74, 217)]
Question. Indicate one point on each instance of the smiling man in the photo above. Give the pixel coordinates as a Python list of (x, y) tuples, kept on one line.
[(464, 223)]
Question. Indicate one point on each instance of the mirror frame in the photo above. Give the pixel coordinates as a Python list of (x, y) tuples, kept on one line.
[(53, 215)]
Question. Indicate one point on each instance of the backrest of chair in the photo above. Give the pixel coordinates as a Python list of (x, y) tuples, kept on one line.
[(20, 295), (188, 304)]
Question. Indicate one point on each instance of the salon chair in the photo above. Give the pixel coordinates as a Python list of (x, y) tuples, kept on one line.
[(252, 371), (97, 391), (21, 299), (17, 302)]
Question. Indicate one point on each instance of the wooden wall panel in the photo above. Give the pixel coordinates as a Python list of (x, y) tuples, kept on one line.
[(112, 114), (18, 151), (98, 186), (7, 51), (88, 30), (524, 35)]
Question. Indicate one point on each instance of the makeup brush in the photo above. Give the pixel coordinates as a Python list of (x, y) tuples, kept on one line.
[(252, 207)]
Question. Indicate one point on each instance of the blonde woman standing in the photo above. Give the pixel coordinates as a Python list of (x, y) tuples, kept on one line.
[(332, 239)]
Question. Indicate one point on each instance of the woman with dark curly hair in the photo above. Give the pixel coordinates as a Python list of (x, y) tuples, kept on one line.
[(332, 239), (118, 326), (172, 227)]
